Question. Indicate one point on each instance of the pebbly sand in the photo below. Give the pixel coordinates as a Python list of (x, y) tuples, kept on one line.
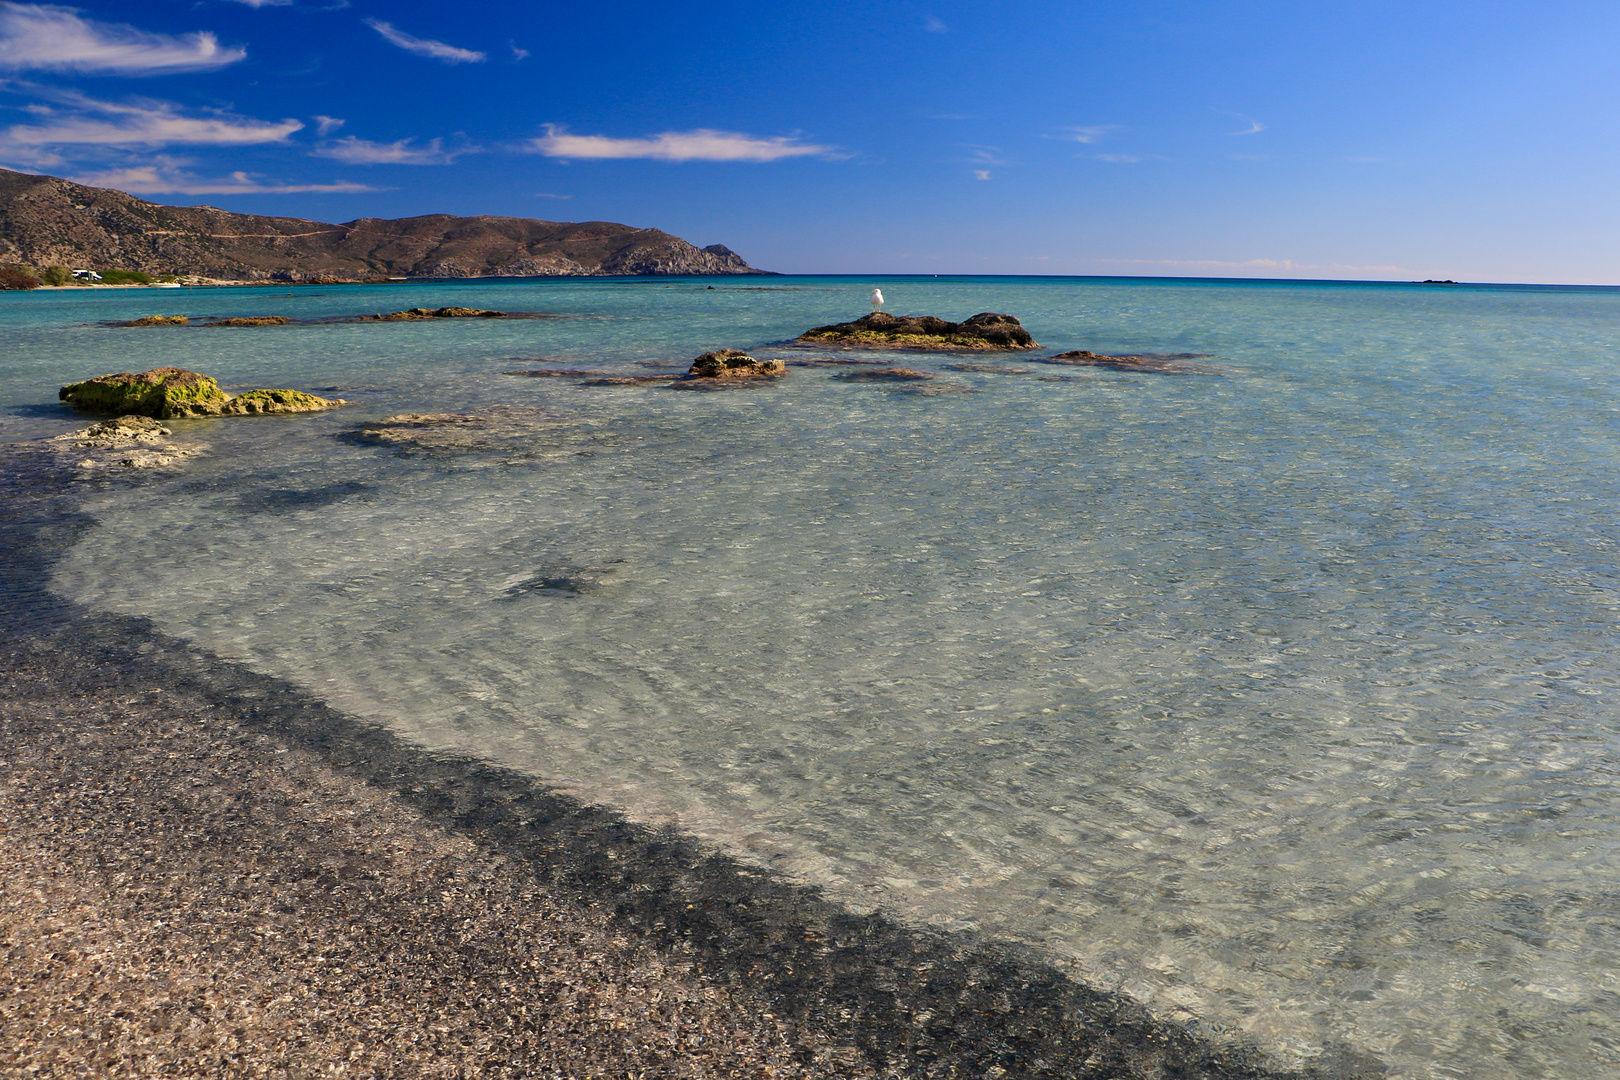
[(205, 872)]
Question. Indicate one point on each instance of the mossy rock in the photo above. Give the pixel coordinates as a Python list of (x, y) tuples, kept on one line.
[(984, 331), (732, 364), (253, 320), (264, 402), (435, 313), (167, 393), (158, 320)]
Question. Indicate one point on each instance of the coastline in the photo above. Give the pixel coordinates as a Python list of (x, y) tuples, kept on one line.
[(208, 865)]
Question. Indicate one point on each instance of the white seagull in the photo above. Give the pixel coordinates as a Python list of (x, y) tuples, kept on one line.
[(877, 299)]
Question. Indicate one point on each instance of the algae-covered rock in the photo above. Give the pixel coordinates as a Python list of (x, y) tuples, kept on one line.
[(880, 330), (434, 313), (252, 320), (158, 320), (167, 393), (733, 364), (261, 402)]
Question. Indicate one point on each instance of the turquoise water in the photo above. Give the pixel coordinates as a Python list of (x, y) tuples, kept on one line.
[(1284, 701)]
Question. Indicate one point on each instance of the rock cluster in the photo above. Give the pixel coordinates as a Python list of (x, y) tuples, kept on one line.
[(252, 320), (157, 320), (126, 442), (733, 364), (987, 330), (434, 313), (171, 393)]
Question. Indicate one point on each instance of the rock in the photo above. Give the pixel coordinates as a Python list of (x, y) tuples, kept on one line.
[(125, 442), (434, 313), (513, 431), (880, 330), (733, 364), (264, 402), (157, 320), (555, 373), (631, 380), (166, 393), (837, 361), (1156, 364), (987, 369), (888, 374), (252, 320)]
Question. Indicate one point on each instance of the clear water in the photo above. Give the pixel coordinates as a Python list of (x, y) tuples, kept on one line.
[(1285, 701)]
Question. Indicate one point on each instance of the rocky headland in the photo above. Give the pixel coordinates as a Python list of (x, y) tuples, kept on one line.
[(45, 220), (986, 331)]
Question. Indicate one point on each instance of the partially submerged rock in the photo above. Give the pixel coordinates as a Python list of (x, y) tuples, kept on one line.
[(1156, 364), (265, 402), (880, 330), (125, 442), (728, 367), (987, 369), (167, 393), (888, 374), (252, 320), (632, 380), (171, 393), (434, 313), (157, 320)]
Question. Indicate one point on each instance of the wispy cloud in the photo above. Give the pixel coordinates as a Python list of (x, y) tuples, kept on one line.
[(1255, 127), (1118, 159), (325, 125), (353, 151), (549, 195), (45, 37), (166, 177), (517, 53), (704, 144), (266, 3), (934, 26), (981, 174), (87, 122), (434, 50), (1090, 134)]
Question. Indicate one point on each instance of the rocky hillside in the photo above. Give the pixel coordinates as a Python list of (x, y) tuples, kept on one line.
[(45, 220)]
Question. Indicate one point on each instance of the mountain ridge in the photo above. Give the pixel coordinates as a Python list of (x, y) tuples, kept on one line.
[(46, 220)]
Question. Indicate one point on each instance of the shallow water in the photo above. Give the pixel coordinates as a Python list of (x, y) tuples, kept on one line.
[(1283, 700)]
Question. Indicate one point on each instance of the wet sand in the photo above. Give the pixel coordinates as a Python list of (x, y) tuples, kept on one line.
[(207, 872)]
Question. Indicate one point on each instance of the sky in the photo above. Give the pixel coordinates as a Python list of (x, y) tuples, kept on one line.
[(1362, 139)]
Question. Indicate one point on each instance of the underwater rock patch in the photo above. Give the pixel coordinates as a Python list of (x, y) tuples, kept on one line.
[(888, 374), (633, 380), (555, 373), (837, 361), (880, 330), (124, 442), (519, 431), (564, 582), (1155, 364), (434, 313), (987, 369)]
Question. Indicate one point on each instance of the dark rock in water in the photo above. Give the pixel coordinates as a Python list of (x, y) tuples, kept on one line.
[(933, 389), (252, 320), (888, 374), (1172, 364), (632, 380), (837, 361), (434, 313), (555, 373), (566, 582), (730, 367), (166, 393), (987, 369), (157, 320), (985, 331), (517, 432)]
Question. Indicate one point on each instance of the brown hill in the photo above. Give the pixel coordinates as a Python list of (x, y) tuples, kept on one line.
[(45, 220)]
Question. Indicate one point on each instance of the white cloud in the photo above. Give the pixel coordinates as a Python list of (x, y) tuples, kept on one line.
[(549, 195), (704, 144), (1091, 134), (981, 174), (1255, 127), (166, 178), (266, 3), (934, 26), (517, 53), (1118, 159), (44, 37), (325, 125), (434, 50), (101, 123), (353, 151)]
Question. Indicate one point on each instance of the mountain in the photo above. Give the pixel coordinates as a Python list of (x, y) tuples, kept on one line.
[(45, 220)]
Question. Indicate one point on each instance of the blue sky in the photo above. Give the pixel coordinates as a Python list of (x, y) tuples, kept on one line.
[(1476, 141)]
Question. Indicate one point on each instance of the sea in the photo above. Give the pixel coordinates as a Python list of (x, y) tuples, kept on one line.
[(1281, 695)]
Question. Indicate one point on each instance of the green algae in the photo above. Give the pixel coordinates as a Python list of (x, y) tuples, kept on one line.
[(264, 402), (166, 393)]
